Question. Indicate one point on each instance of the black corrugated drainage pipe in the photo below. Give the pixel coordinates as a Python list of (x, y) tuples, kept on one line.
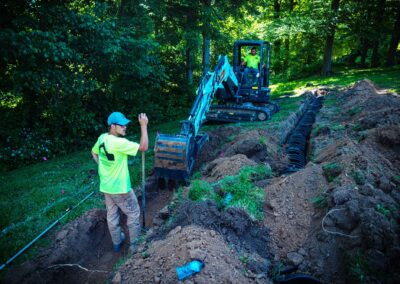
[(297, 141)]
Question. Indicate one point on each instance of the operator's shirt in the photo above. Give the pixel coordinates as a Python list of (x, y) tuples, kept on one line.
[(252, 60), (114, 174)]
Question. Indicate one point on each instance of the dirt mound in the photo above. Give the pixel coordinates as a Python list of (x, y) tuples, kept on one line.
[(288, 202), (246, 236), (359, 219), (157, 263), (259, 146), (221, 167), (217, 138)]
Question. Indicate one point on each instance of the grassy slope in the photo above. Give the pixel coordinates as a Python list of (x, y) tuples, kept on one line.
[(33, 197)]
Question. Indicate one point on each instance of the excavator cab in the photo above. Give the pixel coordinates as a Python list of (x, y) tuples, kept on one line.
[(253, 84), (250, 99)]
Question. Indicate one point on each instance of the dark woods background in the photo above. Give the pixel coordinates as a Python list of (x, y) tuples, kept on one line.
[(65, 65)]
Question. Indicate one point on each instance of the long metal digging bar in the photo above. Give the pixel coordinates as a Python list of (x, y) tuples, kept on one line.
[(44, 232), (143, 190)]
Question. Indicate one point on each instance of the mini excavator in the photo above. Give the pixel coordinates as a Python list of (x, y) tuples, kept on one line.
[(175, 155)]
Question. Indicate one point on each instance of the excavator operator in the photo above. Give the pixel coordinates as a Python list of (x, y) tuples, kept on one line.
[(251, 62)]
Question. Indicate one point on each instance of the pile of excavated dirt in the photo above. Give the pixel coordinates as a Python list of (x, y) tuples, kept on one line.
[(337, 219), (288, 202), (234, 248)]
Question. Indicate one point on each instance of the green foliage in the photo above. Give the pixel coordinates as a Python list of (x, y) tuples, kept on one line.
[(244, 259), (357, 266), (244, 194), (23, 148), (200, 190), (361, 136), (383, 210), (320, 201), (66, 67), (337, 127), (331, 171), (358, 176), (355, 110)]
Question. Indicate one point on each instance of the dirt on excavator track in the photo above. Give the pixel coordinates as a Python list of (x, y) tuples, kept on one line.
[(337, 219)]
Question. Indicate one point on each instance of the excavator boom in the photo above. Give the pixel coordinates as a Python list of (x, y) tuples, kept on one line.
[(175, 155)]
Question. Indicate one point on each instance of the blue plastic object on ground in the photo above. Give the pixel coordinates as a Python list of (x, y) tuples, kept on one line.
[(228, 198), (189, 269)]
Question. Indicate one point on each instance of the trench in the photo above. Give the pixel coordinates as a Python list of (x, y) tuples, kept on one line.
[(297, 142)]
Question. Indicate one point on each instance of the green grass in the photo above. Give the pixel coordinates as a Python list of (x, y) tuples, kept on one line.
[(331, 171), (357, 266), (320, 201), (243, 194), (383, 77), (35, 196)]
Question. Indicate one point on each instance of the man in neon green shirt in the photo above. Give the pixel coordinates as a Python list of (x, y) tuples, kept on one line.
[(111, 154), (251, 61)]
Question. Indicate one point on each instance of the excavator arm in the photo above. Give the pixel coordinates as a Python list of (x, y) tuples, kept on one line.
[(175, 155)]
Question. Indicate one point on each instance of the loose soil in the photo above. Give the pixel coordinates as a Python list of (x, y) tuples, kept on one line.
[(336, 219)]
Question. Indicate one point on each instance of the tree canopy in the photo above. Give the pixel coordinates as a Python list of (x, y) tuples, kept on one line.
[(65, 65)]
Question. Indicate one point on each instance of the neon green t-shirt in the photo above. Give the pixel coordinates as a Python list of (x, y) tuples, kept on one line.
[(113, 171), (252, 60)]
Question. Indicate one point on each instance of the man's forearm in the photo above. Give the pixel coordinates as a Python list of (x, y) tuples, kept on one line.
[(144, 139), (95, 157)]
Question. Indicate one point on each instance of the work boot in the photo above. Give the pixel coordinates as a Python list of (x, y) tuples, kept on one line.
[(117, 247)]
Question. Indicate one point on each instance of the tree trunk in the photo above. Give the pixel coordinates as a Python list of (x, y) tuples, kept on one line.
[(364, 52), (189, 66), (379, 16), (206, 53), (29, 107), (206, 36), (375, 54), (286, 60), (390, 61), (277, 44), (327, 64), (287, 54)]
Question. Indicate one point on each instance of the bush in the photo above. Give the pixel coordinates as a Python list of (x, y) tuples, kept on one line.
[(24, 147), (331, 171)]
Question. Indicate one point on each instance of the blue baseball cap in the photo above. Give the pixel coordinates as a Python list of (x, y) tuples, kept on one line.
[(117, 118)]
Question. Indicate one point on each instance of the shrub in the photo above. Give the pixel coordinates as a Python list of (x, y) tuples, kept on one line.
[(320, 201), (331, 171), (23, 148), (358, 177), (200, 190), (240, 189)]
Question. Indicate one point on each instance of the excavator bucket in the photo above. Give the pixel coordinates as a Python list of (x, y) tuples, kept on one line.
[(171, 156), (174, 155)]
